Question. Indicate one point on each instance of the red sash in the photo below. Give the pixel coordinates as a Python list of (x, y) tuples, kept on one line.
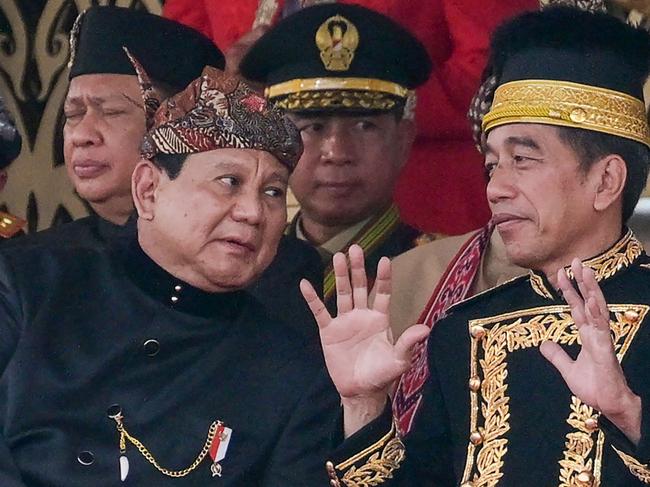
[(454, 286)]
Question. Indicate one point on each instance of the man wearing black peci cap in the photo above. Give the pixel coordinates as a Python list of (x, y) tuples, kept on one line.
[(344, 74), (539, 381), (105, 124), (104, 116)]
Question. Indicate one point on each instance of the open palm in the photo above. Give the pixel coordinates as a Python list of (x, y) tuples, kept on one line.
[(357, 344), (596, 376)]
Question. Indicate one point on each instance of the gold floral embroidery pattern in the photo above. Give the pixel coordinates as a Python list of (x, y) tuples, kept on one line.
[(492, 339), (579, 444), (639, 470), (384, 457), (620, 256), (538, 285)]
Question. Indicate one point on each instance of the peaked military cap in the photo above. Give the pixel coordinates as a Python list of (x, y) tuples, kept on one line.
[(10, 140), (170, 52), (337, 56), (568, 67)]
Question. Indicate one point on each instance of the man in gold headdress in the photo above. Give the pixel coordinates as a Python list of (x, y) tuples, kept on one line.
[(537, 381)]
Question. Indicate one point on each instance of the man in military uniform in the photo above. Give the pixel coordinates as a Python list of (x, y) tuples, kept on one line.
[(344, 74), (10, 144), (144, 362), (537, 381)]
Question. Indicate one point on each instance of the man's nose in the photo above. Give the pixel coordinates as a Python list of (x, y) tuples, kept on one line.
[(86, 131), (248, 208), (338, 147), (501, 185)]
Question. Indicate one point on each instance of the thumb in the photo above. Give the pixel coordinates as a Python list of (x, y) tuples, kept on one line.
[(412, 336), (557, 356)]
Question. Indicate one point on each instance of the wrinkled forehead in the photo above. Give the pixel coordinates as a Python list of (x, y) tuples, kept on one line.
[(104, 87)]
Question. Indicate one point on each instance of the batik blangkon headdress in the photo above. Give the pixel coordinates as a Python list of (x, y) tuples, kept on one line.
[(215, 111)]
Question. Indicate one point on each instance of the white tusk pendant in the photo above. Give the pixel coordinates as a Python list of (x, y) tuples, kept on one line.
[(124, 467)]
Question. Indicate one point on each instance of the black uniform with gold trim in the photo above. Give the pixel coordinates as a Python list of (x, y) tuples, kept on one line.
[(173, 358), (494, 411)]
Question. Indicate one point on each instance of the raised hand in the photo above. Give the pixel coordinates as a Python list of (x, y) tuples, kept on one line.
[(596, 377), (357, 344)]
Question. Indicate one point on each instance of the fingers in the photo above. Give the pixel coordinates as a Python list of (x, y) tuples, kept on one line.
[(412, 336), (359, 280), (578, 274), (557, 356), (589, 305), (382, 286), (572, 298), (596, 304), (343, 286), (315, 304)]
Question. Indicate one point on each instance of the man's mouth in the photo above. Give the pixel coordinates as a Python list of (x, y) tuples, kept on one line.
[(239, 245), (88, 168), (503, 219)]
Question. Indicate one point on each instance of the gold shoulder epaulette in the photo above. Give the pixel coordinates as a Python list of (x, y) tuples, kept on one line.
[(10, 225)]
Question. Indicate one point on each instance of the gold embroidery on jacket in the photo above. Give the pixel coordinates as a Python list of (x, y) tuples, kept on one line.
[(620, 256), (638, 469), (538, 286), (579, 444), (385, 457), (492, 339)]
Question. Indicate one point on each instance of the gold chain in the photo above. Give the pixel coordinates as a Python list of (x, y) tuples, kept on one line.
[(124, 435)]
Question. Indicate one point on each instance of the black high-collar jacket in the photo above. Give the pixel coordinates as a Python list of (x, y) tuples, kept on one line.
[(82, 329)]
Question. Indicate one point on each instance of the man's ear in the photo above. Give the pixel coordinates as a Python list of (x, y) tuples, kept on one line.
[(407, 133), (144, 183), (611, 173)]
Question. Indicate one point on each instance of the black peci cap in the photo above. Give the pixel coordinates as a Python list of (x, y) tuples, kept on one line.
[(170, 52), (337, 56)]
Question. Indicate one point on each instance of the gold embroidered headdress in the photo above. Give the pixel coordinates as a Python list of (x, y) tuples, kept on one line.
[(571, 68)]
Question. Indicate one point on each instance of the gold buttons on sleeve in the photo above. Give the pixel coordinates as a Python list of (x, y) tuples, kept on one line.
[(474, 383), (476, 438), (331, 473), (631, 316), (585, 478), (477, 332), (591, 424)]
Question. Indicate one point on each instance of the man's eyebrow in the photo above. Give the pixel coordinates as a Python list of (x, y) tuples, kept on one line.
[(522, 141), (278, 176), (98, 100)]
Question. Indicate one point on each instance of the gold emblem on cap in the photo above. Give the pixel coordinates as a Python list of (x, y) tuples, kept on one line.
[(337, 39)]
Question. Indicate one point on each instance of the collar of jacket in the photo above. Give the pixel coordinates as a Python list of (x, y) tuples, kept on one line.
[(617, 258), (175, 293)]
